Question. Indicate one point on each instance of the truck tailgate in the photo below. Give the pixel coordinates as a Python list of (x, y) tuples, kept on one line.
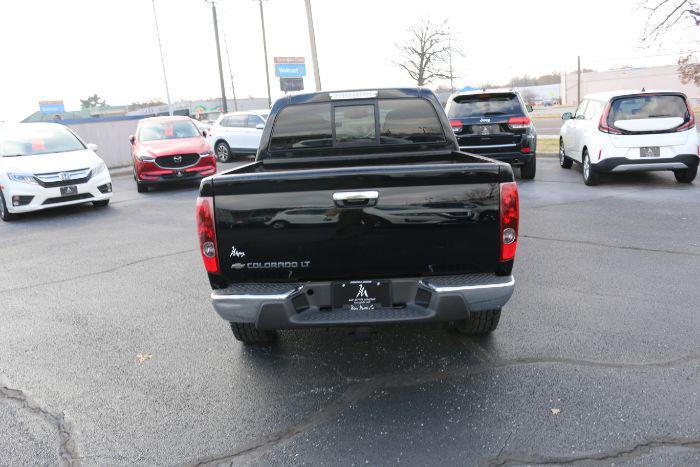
[(407, 221)]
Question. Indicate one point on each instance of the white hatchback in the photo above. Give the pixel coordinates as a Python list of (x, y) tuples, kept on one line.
[(237, 134), (626, 131), (45, 165)]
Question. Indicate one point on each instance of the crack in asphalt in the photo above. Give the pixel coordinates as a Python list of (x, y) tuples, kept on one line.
[(67, 450), (588, 200), (256, 447), (357, 391), (607, 245), (96, 273), (608, 456)]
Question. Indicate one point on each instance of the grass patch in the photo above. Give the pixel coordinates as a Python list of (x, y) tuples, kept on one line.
[(548, 145)]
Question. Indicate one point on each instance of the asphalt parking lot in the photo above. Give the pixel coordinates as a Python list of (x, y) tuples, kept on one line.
[(111, 353)]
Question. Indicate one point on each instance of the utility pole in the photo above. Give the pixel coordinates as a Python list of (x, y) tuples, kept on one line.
[(224, 104), (230, 73), (578, 83), (312, 39), (267, 68), (162, 61)]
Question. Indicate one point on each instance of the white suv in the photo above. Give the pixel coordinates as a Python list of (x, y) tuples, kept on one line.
[(237, 134), (625, 131)]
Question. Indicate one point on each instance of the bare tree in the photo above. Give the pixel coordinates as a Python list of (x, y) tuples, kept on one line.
[(666, 15), (427, 53)]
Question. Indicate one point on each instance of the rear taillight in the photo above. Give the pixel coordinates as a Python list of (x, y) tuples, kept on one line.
[(525, 149), (207, 234), (456, 125), (603, 124), (519, 123), (691, 118), (509, 220)]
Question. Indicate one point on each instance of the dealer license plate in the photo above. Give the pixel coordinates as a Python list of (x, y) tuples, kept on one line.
[(69, 190), (651, 151), (361, 295)]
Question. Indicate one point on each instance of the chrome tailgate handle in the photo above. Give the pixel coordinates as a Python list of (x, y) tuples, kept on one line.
[(349, 199)]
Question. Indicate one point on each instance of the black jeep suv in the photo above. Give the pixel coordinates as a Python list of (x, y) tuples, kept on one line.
[(495, 125)]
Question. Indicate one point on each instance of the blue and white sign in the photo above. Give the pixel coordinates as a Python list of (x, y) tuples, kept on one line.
[(51, 107), (290, 70)]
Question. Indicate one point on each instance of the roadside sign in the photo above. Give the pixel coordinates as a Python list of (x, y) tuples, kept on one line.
[(51, 107), (291, 84), (290, 70), (289, 60)]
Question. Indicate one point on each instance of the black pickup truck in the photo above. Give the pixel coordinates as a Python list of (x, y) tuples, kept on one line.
[(359, 210)]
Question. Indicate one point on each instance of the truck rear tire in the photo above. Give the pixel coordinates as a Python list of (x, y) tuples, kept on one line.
[(249, 334), (482, 322), (527, 170), (686, 175)]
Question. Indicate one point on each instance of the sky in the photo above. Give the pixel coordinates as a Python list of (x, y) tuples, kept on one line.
[(70, 49)]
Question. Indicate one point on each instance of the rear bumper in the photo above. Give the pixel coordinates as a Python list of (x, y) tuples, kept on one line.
[(297, 305), (512, 157), (623, 164)]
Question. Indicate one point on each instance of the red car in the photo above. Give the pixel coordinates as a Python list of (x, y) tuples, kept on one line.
[(170, 150)]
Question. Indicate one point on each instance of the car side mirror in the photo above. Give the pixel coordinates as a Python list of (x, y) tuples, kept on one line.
[(260, 126), (132, 139), (92, 147), (566, 116), (204, 133), (529, 108)]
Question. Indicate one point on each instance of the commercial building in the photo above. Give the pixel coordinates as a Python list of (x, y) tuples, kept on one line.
[(660, 77)]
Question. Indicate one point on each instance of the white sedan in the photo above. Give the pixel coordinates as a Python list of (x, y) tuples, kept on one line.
[(45, 165), (237, 134)]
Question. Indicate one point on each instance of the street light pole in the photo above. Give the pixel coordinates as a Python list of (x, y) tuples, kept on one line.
[(267, 68), (312, 39), (224, 104), (230, 73), (162, 61)]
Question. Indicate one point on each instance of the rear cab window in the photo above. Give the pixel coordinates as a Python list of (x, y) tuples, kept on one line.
[(375, 125), (485, 105)]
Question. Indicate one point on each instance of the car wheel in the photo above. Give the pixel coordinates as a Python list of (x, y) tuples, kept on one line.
[(141, 188), (5, 215), (249, 334), (590, 176), (481, 322), (527, 171), (223, 152), (100, 204), (279, 225), (564, 161), (686, 175)]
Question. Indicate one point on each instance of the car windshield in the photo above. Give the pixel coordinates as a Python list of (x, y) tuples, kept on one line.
[(30, 140), (648, 106), (174, 129), (480, 105)]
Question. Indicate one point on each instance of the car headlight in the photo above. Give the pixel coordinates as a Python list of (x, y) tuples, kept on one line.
[(145, 157), (99, 168), (206, 153), (23, 178)]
